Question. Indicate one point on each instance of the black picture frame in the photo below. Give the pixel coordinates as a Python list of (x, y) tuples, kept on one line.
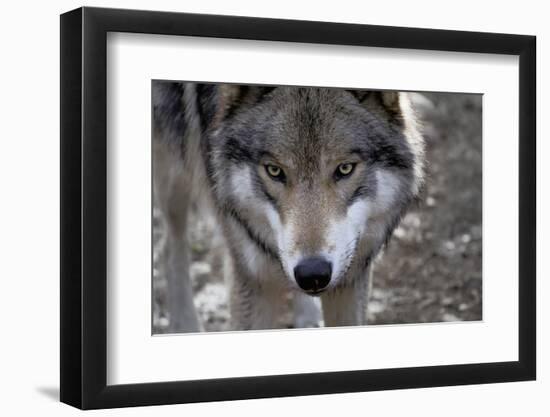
[(84, 207)]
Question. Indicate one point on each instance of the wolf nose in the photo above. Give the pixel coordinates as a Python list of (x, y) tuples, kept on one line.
[(313, 274)]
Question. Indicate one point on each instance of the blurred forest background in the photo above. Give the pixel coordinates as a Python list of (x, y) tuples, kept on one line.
[(431, 270)]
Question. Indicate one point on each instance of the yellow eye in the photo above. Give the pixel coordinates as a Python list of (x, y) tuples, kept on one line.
[(274, 171), (345, 169)]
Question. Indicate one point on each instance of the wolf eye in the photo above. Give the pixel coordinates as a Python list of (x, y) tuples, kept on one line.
[(275, 172), (344, 170)]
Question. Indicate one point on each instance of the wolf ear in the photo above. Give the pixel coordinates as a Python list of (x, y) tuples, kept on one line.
[(221, 101), (237, 96), (391, 100), (386, 101)]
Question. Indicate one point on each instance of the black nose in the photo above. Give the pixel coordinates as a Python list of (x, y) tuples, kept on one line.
[(313, 274)]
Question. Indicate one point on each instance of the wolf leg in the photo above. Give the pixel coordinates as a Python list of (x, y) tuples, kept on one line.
[(172, 198), (346, 306), (183, 316), (307, 311), (254, 307)]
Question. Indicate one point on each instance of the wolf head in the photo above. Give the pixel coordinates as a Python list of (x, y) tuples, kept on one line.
[(318, 178)]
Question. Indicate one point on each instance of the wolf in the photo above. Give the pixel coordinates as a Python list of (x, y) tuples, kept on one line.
[(308, 185)]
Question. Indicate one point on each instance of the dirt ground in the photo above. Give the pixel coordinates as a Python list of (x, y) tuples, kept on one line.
[(431, 270)]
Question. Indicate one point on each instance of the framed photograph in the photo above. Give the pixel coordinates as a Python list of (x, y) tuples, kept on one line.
[(259, 208)]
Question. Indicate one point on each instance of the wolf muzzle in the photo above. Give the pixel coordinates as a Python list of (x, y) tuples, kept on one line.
[(313, 274)]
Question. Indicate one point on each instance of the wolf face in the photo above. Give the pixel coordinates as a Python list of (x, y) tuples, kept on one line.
[(316, 178)]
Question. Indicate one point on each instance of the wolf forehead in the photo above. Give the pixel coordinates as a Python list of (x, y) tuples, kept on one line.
[(299, 125)]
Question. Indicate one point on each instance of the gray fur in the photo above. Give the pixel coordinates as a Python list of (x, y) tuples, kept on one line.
[(240, 126)]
